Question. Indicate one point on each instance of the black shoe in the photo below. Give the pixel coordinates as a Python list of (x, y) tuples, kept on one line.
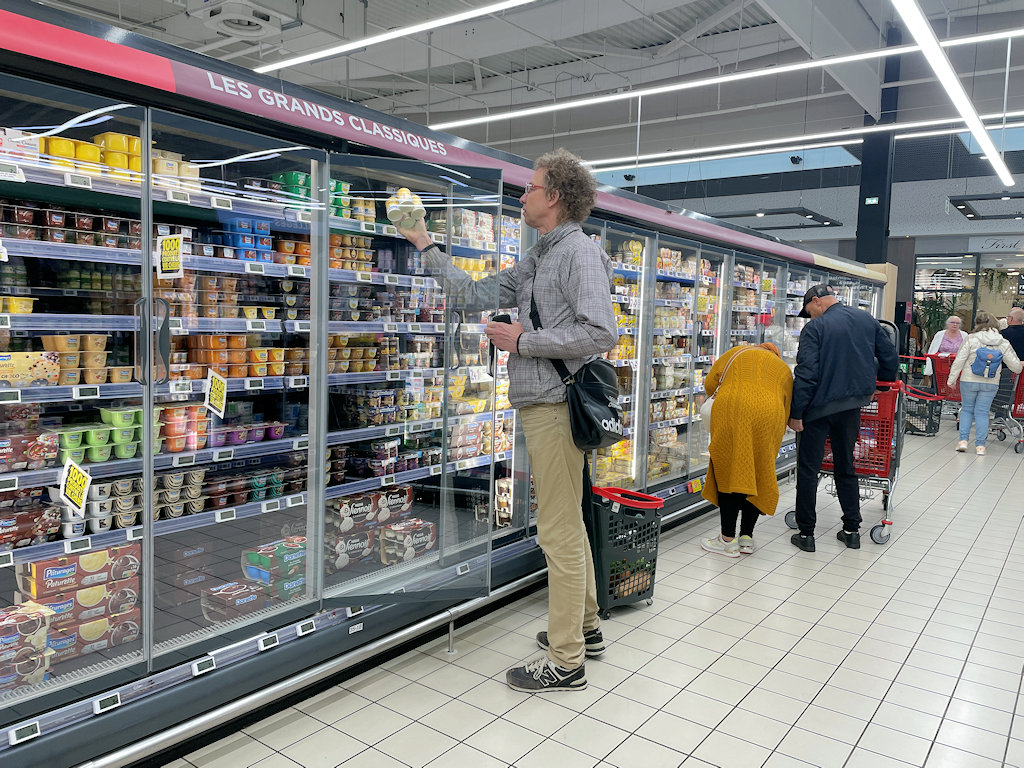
[(806, 543), (593, 642), (544, 675), (850, 538)]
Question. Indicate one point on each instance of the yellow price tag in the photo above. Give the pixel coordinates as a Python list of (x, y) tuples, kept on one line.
[(217, 394), (767, 285), (74, 485), (697, 485), (168, 256), (702, 303)]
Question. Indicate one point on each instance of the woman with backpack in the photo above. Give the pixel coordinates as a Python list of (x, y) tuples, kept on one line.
[(977, 365)]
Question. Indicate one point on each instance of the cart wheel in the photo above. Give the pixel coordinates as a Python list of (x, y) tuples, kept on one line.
[(1018, 448), (650, 601), (1001, 435), (605, 615), (791, 519), (880, 534)]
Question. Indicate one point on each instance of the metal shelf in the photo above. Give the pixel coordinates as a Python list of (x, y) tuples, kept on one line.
[(671, 360), (672, 332), (673, 422), (676, 392), (123, 467), (373, 483), (683, 303), (409, 427), (677, 277)]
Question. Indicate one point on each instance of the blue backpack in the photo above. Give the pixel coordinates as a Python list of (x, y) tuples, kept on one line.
[(986, 362)]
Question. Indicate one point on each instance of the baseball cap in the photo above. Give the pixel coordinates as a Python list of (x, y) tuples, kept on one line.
[(815, 292)]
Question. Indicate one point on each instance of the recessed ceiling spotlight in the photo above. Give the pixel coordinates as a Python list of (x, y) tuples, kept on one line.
[(970, 215), (1005, 197), (809, 216), (961, 206), (826, 223), (760, 214)]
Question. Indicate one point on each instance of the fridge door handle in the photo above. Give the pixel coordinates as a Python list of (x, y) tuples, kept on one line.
[(141, 350), (164, 341)]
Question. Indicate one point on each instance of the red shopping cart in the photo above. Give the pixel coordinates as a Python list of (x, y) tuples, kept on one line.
[(1009, 413), (940, 368), (876, 456)]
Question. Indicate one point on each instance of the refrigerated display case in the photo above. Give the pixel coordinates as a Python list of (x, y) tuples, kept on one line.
[(365, 472)]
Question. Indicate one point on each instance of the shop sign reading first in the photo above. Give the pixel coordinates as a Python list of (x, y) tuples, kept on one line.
[(270, 103)]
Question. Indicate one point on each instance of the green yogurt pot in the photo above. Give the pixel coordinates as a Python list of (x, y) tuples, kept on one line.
[(98, 453), (71, 437), (97, 435), (126, 450), (77, 455), (122, 435)]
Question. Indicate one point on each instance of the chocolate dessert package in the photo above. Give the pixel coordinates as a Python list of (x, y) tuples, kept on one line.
[(70, 572), (91, 603), (405, 540), (77, 639)]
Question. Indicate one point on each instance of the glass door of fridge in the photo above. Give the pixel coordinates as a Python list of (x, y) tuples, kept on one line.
[(233, 482), (627, 249), (796, 286), (865, 297), (671, 418), (419, 426), (745, 301), (73, 376), (709, 340), (773, 303)]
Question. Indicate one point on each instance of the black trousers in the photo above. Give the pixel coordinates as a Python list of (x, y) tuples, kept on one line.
[(842, 429), (736, 505)]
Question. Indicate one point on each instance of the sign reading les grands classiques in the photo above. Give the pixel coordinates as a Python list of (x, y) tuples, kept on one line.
[(296, 111)]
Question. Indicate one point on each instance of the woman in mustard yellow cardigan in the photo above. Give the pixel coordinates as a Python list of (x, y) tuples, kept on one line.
[(753, 388)]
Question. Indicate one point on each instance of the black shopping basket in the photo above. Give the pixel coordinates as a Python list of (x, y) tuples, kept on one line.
[(623, 528), (923, 412)]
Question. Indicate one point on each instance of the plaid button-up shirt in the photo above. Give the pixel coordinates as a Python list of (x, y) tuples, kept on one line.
[(569, 276)]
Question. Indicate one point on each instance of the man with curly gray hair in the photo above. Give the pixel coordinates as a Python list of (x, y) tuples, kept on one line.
[(568, 277)]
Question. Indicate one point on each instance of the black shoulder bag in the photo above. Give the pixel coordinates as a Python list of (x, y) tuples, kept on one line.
[(593, 396)]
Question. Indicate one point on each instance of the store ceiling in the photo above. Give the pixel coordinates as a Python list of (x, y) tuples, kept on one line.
[(553, 50)]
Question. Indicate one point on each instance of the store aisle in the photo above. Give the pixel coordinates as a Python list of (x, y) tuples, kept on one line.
[(908, 654)]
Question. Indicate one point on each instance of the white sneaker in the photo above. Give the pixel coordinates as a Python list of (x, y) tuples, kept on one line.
[(961, 447), (980, 450), (720, 547), (746, 545)]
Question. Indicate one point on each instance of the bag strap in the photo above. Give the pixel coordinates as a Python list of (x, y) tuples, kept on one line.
[(560, 369), (721, 379)]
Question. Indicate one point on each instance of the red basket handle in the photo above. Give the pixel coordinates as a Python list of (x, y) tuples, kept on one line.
[(889, 385), (633, 499)]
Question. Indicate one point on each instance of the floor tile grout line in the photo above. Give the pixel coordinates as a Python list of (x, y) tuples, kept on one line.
[(1013, 715), (903, 664)]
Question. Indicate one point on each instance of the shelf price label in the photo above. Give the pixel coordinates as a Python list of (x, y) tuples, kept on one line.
[(74, 486), (367, 226), (217, 394), (168, 257), (224, 203), (296, 270), (11, 172)]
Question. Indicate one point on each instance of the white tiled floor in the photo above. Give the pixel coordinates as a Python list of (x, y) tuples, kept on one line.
[(908, 654)]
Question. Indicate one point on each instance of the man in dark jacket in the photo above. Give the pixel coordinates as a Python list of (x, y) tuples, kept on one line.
[(835, 376)]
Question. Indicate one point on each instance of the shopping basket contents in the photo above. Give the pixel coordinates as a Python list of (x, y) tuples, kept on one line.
[(876, 456), (624, 530)]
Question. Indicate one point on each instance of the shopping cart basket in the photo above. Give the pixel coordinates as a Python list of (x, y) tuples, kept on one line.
[(922, 412), (876, 456), (940, 375), (624, 529), (1008, 408)]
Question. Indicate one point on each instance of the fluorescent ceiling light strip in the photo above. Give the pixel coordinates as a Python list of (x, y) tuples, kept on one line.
[(75, 121), (674, 87), (806, 137), (718, 80), (393, 34), (929, 44), (949, 131), (731, 155)]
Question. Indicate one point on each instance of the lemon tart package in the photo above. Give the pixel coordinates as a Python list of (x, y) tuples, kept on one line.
[(70, 572), (74, 640), (91, 603)]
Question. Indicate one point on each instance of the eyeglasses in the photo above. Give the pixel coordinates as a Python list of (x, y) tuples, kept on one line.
[(530, 186)]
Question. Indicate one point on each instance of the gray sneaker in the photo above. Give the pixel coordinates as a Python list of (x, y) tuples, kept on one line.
[(593, 642), (543, 675)]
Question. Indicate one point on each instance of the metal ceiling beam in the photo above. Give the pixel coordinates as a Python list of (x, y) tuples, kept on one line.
[(759, 42), (702, 28), (834, 28), (486, 37)]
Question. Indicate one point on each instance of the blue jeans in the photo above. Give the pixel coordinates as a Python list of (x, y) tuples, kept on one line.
[(976, 400)]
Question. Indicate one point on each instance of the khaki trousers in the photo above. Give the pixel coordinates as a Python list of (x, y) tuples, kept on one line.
[(557, 466)]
